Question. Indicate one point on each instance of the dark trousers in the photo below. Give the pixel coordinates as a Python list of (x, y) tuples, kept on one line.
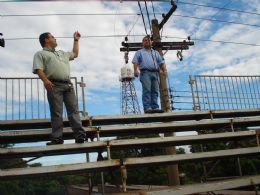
[(64, 92)]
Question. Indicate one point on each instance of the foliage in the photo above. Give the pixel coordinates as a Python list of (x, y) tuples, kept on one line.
[(39, 186)]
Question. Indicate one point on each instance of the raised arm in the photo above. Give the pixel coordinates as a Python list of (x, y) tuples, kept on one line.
[(75, 49)]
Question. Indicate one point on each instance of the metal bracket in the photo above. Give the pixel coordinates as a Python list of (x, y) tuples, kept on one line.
[(123, 172)]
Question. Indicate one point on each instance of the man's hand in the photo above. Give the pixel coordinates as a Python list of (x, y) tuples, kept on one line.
[(76, 36), (46, 82), (136, 73), (48, 85)]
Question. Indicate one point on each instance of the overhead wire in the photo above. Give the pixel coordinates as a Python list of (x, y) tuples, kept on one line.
[(217, 20), (127, 14), (142, 17), (211, 19), (195, 31), (148, 17), (221, 8), (181, 2), (139, 35), (153, 9)]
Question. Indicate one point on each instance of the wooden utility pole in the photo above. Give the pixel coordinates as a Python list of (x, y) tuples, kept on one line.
[(173, 173)]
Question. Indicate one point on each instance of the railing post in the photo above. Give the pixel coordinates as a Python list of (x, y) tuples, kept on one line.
[(83, 85), (123, 172), (191, 82)]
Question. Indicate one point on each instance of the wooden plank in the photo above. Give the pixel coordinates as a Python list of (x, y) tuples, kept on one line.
[(49, 171), (129, 162), (129, 119), (51, 150), (25, 136), (201, 156), (207, 187), (179, 140), (154, 128), (120, 144), (144, 129)]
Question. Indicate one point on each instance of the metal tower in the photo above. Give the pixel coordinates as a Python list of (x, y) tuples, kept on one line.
[(129, 102)]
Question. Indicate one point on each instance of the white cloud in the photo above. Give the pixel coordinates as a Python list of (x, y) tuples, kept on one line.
[(100, 59)]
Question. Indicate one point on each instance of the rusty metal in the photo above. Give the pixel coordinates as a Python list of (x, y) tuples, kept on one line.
[(257, 137), (123, 173), (108, 150), (211, 114), (232, 125)]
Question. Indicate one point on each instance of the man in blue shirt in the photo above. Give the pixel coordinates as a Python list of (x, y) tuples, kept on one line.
[(149, 62)]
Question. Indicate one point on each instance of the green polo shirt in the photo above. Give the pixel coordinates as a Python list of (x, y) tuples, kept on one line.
[(55, 64)]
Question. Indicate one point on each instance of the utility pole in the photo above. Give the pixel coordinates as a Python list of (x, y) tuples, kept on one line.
[(173, 173)]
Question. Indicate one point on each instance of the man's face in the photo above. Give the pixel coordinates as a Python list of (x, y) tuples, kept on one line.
[(147, 42), (51, 41)]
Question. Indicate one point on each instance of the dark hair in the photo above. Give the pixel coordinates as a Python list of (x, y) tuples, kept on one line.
[(146, 37), (42, 38)]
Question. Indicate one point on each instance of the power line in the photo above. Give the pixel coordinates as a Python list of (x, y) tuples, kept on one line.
[(217, 20), (218, 41), (142, 17), (221, 8), (71, 14), (153, 9), (127, 14), (196, 30), (141, 35), (147, 13), (180, 2)]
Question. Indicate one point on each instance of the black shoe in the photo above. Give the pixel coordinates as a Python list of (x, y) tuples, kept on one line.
[(80, 140), (149, 111), (91, 136), (54, 142), (157, 110)]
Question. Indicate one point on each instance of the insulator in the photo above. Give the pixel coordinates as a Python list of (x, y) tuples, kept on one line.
[(126, 57), (2, 41), (179, 55)]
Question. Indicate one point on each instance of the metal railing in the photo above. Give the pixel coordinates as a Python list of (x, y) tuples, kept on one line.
[(225, 92), (26, 98), (180, 100)]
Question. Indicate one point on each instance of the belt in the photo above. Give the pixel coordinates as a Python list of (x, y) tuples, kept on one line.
[(150, 70), (59, 81)]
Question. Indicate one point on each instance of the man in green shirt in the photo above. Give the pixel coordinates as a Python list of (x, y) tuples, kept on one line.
[(54, 70)]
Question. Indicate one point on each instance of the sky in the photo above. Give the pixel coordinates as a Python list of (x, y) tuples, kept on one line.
[(103, 26)]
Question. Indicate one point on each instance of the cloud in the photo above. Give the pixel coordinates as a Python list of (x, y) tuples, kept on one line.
[(100, 60)]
